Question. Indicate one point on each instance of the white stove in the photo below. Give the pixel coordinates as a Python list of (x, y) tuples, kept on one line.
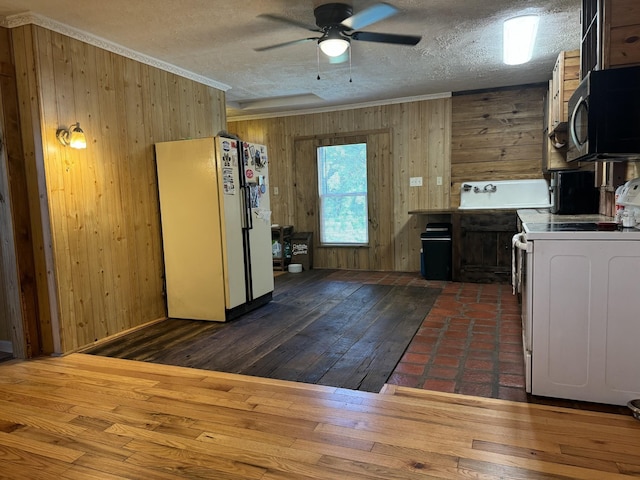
[(580, 298)]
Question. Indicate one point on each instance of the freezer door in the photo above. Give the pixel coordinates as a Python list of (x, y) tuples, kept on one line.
[(260, 254), (229, 168)]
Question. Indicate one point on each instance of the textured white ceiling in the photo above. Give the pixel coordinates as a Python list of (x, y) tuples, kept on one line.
[(461, 48)]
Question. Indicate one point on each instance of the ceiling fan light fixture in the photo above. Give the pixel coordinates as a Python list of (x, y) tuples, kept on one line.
[(333, 47), (519, 37)]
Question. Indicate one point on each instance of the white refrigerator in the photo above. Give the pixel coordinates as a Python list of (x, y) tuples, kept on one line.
[(216, 227)]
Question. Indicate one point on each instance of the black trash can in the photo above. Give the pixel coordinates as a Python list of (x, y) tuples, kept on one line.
[(435, 258)]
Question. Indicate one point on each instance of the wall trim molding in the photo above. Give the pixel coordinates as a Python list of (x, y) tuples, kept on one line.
[(29, 18), (336, 108)]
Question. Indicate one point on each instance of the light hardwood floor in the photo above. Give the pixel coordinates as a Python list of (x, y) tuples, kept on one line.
[(86, 417)]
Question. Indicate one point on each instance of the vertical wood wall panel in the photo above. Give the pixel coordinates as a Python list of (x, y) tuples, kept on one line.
[(18, 286), (411, 127), (29, 118), (102, 202)]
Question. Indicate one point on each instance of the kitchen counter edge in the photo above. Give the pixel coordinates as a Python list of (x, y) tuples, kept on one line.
[(544, 216)]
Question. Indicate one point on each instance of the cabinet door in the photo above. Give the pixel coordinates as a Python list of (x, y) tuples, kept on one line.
[(485, 247), (620, 33), (556, 92), (554, 156), (565, 80)]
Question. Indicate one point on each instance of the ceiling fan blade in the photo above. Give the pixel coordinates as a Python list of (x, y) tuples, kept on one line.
[(280, 19), (386, 38), (285, 44), (370, 15), (340, 58)]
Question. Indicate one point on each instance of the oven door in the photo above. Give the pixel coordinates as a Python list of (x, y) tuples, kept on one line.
[(523, 284)]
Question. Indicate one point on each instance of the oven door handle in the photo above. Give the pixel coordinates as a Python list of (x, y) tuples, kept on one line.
[(518, 242)]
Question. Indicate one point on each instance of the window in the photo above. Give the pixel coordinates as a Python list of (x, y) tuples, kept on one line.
[(342, 188)]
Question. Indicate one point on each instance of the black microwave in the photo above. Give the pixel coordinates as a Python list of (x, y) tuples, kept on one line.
[(604, 116)]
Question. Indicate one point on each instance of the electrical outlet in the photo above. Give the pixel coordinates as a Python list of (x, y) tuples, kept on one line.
[(438, 180), (415, 181), (276, 191)]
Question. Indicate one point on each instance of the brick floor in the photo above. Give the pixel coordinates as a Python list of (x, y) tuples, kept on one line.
[(469, 343)]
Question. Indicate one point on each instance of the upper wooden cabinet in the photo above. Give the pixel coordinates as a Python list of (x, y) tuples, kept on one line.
[(564, 81), (621, 33), (610, 34)]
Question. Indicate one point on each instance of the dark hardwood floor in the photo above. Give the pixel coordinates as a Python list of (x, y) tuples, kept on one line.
[(315, 330)]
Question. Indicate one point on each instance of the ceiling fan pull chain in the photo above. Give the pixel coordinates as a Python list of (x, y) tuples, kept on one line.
[(318, 57), (350, 77)]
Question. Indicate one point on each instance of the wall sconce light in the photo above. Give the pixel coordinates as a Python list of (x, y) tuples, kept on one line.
[(72, 137)]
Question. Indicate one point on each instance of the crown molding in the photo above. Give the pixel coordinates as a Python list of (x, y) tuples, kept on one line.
[(29, 18)]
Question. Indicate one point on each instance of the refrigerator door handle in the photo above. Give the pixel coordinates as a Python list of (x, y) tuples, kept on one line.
[(247, 220), (245, 187)]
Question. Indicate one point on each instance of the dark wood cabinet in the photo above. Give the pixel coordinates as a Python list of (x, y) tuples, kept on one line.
[(482, 246)]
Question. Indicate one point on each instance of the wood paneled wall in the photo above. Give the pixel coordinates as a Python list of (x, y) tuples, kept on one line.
[(9, 288), (496, 135), (100, 269), (418, 145), (478, 136), (18, 295)]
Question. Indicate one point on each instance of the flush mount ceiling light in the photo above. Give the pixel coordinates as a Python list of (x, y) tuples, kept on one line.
[(334, 44), (519, 38), (73, 137)]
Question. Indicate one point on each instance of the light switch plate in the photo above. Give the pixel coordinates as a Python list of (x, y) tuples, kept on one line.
[(415, 181), (276, 191), (438, 180)]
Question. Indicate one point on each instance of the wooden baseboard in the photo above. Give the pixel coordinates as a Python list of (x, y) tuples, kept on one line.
[(114, 336)]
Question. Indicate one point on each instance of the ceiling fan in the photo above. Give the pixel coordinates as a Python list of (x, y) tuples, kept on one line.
[(338, 25)]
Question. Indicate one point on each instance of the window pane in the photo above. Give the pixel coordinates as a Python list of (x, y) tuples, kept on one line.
[(344, 169), (344, 219), (342, 186)]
